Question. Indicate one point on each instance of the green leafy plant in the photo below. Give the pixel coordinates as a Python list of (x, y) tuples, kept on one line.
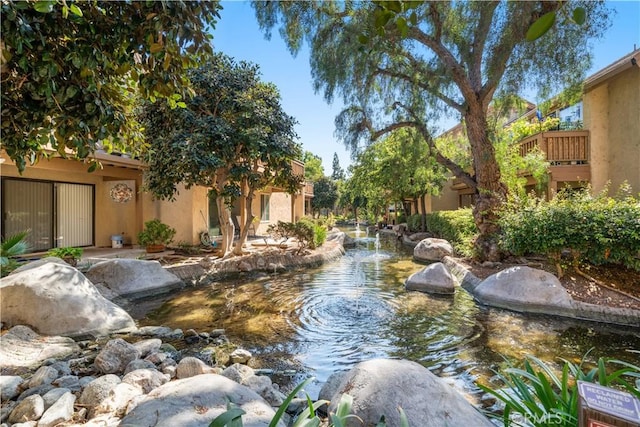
[(70, 254), (597, 229), (156, 232), (536, 395), (456, 226), (303, 231), (10, 247)]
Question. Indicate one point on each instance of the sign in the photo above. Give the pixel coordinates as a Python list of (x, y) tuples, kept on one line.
[(612, 402)]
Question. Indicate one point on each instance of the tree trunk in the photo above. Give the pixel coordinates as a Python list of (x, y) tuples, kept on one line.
[(227, 229), (423, 216), (490, 191), (244, 228)]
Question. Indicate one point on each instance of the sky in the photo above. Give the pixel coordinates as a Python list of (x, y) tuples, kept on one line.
[(237, 35)]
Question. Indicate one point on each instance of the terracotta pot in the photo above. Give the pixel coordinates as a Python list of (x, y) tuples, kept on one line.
[(154, 248), (70, 260)]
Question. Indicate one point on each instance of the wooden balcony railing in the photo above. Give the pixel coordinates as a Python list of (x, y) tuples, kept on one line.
[(308, 188), (298, 168), (559, 147)]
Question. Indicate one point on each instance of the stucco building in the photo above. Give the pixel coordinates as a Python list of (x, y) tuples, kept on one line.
[(62, 204)]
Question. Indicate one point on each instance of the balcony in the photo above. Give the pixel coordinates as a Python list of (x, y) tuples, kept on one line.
[(561, 148), (308, 189), (297, 168)]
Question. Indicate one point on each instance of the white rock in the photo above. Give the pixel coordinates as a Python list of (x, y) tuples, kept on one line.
[(432, 249), (133, 277), (434, 278), (380, 386), (192, 366), (22, 347), (238, 373), (240, 355), (524, 289), (115, 356), (57, 299), (30, 409), (60, 411), (52, 396), (9, 386), (44, 375), (97, 391), (118, 400), (148, 346), (145, 379), (195, 401)]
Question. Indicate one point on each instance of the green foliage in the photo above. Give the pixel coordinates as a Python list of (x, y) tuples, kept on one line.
[(313, 169), (68, 252), (232, 137), (156, 232), (407, 64), (10, 247), (337, 173), (596, 229), (303, 231), (543, 24), (72, 71), (325, 194), (457, 227), (537, 396)]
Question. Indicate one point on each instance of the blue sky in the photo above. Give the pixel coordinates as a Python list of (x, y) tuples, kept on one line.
[(237, 35)]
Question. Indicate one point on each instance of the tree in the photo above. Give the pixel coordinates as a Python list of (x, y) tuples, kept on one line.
[(409, 63), (232, 137), (313, 169), (325, 194), (72, 71), (337, 173)]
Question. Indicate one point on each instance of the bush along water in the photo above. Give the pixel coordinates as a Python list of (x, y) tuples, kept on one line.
[(456, 226), (595, 229), (536, 396)]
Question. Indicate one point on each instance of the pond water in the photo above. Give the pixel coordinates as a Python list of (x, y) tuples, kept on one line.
[(329, 318)]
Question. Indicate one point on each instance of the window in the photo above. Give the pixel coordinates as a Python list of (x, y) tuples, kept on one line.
[(264, 207)]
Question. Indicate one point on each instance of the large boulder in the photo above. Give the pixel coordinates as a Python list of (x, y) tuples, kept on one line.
[(23, 348), (196, 401), (380, 386), (434, 279), (525, 289), (432, 249), (57, 299), (133, 278)]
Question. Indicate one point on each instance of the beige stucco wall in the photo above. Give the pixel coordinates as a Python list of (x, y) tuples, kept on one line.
[(183, 213), (612, 116), (110, 217), (446, 201)]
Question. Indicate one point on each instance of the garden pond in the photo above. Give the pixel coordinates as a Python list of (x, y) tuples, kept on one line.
[(325, 319)]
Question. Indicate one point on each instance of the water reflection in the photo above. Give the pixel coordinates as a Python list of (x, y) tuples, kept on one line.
[(356, 308)]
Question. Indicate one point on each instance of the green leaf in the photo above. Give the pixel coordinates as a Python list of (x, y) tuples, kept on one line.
[(75, 10), (541, 26), (287, 401), (93, 167), (44, 6), (363, 39), (227, 417), (394, 6), (65, 12), (579, 15), (401, 23), (413, 18)]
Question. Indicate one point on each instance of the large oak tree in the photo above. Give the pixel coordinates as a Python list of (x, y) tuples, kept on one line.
[(409, 64), (232, 137), (72, 71)]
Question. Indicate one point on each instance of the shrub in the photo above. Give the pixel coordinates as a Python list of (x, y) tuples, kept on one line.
[(303, 231), (457, 227), (541, 398), (596, 229), (10, 247), (156, 233)]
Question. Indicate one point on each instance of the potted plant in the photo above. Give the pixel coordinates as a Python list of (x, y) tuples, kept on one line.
[(69, 254), (156, 235)]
